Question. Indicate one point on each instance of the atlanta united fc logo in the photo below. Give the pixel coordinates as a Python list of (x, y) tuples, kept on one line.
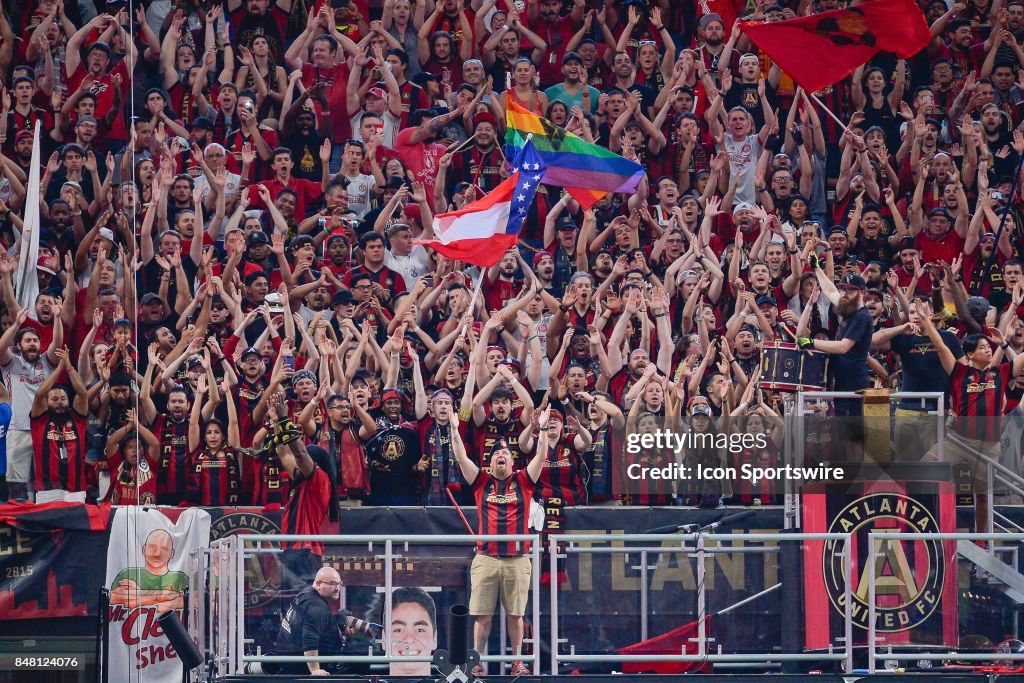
[(909, 575)]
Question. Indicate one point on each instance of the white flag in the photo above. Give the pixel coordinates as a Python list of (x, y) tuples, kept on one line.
[(147, 573), (26, 283)]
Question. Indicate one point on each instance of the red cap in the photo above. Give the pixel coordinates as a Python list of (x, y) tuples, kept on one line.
[(377, 92), (540, 256), (485, 116), (413, 212), (42, 264)]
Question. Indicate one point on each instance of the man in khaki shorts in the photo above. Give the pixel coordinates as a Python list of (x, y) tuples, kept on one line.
[(501, 570)]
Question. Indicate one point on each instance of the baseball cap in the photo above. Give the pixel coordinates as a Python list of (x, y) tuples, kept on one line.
[(836, 230), (701, 409), (150, 297), (203, 122), (258, 237), (566, 223), (500, 445), (764, 299), (939, 211), (41, 266), (851, 280), (978, 306), (742, 206), (252, 350), (569, 56), (540, 256), (377, 92)]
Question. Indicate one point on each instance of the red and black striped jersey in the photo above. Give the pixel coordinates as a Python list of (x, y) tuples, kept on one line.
[(214, 478), (978, 398), (263, 479), (490, 431), (503, 508), (172, 469), (307, 506), (59, 447), (560, 477)]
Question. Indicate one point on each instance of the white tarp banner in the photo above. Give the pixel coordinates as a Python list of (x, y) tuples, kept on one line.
[(147, 573)]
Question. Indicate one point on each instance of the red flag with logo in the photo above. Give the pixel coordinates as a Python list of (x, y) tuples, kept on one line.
[(822, 49)]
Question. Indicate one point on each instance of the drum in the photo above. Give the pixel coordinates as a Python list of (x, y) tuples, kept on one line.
[(784, 367)]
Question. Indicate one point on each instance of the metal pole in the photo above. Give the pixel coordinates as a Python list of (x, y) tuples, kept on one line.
[(643, 595), (871, 601), (848, 595), (388, 581), (701, 607), (535, 563), (553, 559)]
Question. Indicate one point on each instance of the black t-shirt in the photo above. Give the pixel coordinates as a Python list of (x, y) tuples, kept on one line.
[(150, 278), (392, 454), (922, 370), (309, 625), (850, 369), (745, 95)]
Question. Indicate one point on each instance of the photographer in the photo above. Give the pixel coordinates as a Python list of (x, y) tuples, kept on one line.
[(309, 627)]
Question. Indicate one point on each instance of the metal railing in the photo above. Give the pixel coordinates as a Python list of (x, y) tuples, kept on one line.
[(697, 545), (873, 550), (795, 438), (231, 653)]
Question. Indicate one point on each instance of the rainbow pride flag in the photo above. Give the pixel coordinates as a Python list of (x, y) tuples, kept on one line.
[(586, 171)]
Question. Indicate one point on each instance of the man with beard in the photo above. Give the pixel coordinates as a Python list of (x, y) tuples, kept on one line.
[(713, 49), (306, 191), (544, 269), (483, 161), (24, 373), (501, 286), (343, 435), (58, 433), (251, 18), (171, 430), (359, 184), (442, 472), (393, 455), (502, 421), (555, 30), (47, 308), (848, 362), (300, 134), (572, 91)]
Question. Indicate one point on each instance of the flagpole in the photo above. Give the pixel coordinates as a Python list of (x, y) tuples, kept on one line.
[(827, 110)]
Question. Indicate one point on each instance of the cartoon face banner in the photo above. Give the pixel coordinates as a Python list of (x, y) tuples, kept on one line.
[(147, 574)]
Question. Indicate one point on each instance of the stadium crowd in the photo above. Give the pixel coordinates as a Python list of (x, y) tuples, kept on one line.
[(231, 197)]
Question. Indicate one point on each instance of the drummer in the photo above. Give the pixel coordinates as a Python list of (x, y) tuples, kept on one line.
[(848, 352)]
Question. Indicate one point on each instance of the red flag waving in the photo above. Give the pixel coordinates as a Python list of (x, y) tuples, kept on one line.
[(821, 49)]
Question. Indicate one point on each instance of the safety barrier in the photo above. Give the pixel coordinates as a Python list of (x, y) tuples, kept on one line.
[(227, 623), (700, 546), (874, 549)]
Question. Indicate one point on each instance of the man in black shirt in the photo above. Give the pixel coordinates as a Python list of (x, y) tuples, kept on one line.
[(848, 352), (916, 427), (309, 627)]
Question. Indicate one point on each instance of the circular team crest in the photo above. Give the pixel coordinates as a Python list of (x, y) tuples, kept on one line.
[(262, 584), (909, 575)]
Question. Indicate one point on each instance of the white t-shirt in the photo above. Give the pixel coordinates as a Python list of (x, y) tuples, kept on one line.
[(230, 187), (411, 267), (360, 192), (743, 165), (23, 379)]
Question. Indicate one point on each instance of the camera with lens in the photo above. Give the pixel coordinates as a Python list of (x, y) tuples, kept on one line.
[(348, 623)]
